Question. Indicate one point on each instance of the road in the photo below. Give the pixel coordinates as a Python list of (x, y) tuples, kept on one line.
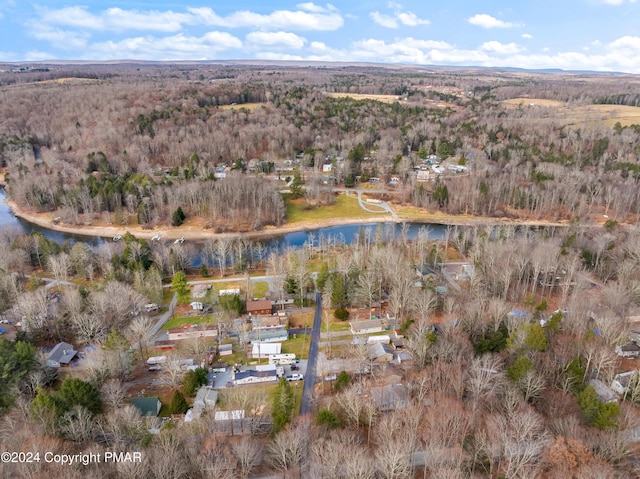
[(375, 207), (162, 320), (310, 376)]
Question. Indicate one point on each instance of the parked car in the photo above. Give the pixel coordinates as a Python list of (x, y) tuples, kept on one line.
[(295, 377), (294, 367)]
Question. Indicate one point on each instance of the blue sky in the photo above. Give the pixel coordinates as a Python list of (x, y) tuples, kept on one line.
[(601, 35)]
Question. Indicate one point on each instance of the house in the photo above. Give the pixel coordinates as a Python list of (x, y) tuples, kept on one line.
[(263, 322), (366, 327), (268, 336), (389, 398), (621, 382), (260, 306), (425, 271), (605, 394), (206, 399), (423, 175), (62, 353), (147, 406), (260, 374), (200, 291), (263, 350), (229, 415), (628, 350), (192, 333), (379, 353), (397, 341)]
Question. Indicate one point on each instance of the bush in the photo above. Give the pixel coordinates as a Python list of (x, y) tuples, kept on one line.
[(342, 381), (341, 313), (327, 418)]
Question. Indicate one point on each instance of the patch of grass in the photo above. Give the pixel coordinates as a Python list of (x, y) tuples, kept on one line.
[(178, 321), (260, 289), (344, 207), (298, 346), (336, 326), (300, 320)]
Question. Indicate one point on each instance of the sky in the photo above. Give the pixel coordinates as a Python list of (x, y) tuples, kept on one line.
[(597, 35)]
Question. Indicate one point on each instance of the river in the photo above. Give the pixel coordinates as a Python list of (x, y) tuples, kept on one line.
[(345, 234)]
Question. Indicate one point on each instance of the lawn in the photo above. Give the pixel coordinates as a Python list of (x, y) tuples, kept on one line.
[(344, 207), (298, 346), (178, 321), (260, 289), (336, 326)]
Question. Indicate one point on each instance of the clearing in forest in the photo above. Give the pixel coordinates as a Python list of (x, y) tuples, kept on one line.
[(362, 96), (581, 114)]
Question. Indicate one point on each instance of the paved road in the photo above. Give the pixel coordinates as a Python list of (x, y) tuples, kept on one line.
[(162, 320), (375, 207), (310, 376)]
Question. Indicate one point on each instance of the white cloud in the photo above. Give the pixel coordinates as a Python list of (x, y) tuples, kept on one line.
[(115, 19), (309, 16), (384, 20), (174, 47), (487, 21), (527, 36), (400, 17), (616, 2), (57, 37), (276, 39), (627, 43), (500, 48), (328, 19)]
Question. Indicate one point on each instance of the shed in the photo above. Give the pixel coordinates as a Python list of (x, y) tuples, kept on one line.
[(62, 353), (148, 406), (225, 349)]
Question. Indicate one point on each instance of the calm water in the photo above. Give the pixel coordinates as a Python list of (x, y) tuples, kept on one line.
[(345, 234)]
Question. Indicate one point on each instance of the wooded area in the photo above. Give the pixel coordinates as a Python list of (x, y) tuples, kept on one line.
[(511, 333)]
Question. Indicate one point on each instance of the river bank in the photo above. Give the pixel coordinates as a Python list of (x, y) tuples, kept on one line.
[(191, 231)]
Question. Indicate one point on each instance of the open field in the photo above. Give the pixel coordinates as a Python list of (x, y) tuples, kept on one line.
[(247, 106), (344, 207), (581, 114), (360, 96)]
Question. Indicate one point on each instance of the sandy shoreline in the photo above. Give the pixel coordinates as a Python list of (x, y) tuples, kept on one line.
[(45, 220)]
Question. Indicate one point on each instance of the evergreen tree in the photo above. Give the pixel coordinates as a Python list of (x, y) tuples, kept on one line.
[(180, 287), (178, 217), (76, 392), (282, 407), (178, 404)]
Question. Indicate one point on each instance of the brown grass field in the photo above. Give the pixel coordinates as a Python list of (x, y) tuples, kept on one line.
[(581, 114), (360, 96)]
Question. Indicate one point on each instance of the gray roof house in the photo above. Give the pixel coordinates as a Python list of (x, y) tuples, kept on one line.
[(389, 397), (62, 353), (147, 406)]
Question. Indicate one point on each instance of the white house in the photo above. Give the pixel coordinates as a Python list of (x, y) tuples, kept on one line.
[(366, 327), (263, 350), (260, 374)]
